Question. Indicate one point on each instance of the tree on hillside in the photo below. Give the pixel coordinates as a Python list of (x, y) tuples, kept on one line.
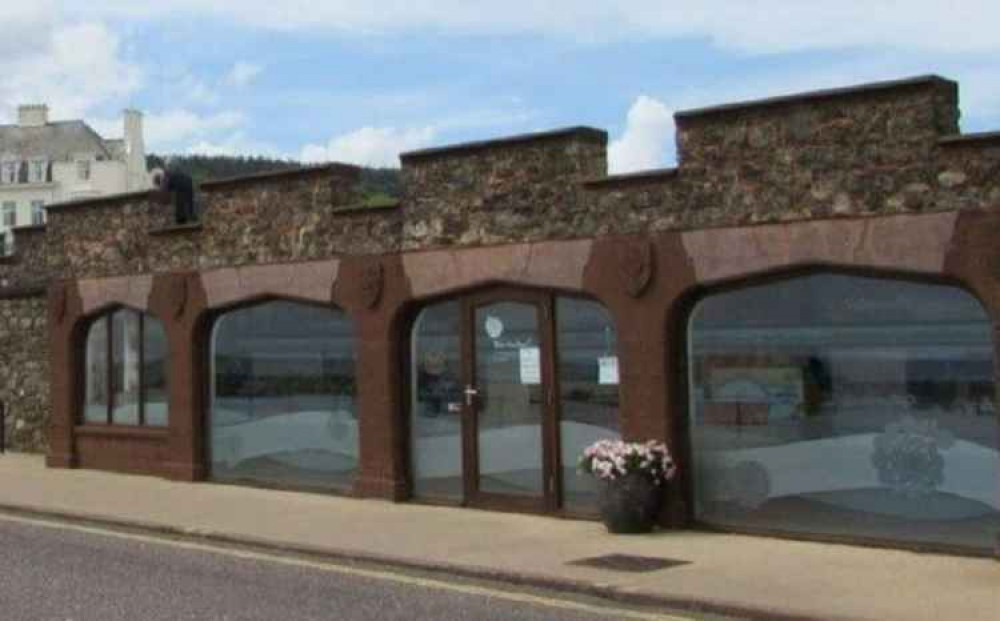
[(375, 182)]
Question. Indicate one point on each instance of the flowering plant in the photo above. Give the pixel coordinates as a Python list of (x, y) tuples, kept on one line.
[(611, 459)]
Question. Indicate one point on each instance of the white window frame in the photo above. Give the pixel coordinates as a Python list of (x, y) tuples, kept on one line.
[(36, 171), (9, 211), (8, 171), (37, 212)]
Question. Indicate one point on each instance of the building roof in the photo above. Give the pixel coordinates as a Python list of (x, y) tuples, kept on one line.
[(53, 141)]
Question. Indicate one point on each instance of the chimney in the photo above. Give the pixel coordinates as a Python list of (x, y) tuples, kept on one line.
[(135, 152), (33, 115)]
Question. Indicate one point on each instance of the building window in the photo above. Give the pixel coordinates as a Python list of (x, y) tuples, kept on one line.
[(587, 358), (83, 170), (38, 171), (8, 172), (37, 212), (126, 370), (846, 406), (9, 214), (283, 407)]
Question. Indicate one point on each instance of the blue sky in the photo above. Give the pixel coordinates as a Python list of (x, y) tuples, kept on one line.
[(359, 82)]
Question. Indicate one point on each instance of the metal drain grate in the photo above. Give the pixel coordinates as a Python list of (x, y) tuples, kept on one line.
[(629, 563)]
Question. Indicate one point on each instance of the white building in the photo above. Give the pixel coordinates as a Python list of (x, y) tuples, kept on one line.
[(43, 162)]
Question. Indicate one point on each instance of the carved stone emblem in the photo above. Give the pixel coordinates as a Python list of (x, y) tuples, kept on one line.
[(177, 294), (372, 283), (635, 262), (59, 302)]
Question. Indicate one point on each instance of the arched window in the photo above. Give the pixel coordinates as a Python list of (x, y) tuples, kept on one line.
[(283, 396), (848, 406), (126, 370)]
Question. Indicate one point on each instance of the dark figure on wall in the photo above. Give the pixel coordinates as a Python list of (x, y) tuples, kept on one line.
[(181, 187)]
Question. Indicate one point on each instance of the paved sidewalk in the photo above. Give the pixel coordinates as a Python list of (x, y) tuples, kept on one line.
[(724, 571)]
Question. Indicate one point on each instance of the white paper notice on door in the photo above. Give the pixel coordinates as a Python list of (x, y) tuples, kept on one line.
[(531, 365), (607, 370)]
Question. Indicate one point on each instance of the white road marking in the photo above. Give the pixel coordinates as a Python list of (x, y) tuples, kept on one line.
[(374, 574)]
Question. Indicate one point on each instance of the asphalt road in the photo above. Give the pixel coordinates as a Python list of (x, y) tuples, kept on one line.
[(68, 572)]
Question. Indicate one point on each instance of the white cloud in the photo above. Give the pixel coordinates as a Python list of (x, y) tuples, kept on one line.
[(172, 129), (370, 146), (647, 140), (242, 74), (72, 67), (195, 90), (235, 143), (756, 27)]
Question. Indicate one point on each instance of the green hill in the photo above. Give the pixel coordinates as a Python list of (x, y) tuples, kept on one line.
[(377, 184)]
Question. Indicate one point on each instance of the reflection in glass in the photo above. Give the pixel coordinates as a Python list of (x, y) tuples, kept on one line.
[(115, 376), (96, 402), (436, 410), (850, 406), (283, 405), (154, 372), (125, 367), (587, 350), (509, 380)]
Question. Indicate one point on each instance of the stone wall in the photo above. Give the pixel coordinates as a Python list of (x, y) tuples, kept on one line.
[(307, 214), (513, 190), (875, 150), (879, 149), (24, 371)]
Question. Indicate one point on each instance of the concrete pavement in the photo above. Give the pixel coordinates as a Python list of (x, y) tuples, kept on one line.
[(725, 573)]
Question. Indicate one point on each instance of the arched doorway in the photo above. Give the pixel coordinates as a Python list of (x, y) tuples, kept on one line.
[(846, 406), (282, 409), (507, 387)]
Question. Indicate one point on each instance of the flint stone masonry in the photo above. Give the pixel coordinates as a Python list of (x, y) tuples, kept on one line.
[(860, 155), (24, 369), (514, 190)]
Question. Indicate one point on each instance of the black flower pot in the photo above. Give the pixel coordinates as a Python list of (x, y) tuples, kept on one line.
[(630, 504)]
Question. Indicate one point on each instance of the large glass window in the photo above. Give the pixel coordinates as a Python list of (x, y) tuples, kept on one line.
[(436, 409), (283, 403), (587, 348), (847, 406), (125, 379)]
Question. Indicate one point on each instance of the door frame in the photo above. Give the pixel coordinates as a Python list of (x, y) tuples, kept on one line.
[(549, 500)]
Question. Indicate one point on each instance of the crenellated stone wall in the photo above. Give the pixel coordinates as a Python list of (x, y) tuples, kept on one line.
[(877, 150), (510, 190)]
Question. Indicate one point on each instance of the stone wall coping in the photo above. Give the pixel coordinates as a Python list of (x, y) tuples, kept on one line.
[(811, 96), (110, 199), (177, 229), (20, 292), (642, 176), (29, 228), (579, 131), (970, 139), (361, 208), (277, 175)]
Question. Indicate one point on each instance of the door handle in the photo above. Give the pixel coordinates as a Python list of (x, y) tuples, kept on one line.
[(470, 394)]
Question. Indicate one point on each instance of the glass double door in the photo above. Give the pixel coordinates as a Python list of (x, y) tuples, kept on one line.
[(494, 411)]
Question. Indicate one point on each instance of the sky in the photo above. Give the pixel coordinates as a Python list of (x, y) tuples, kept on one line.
[(360, 82)]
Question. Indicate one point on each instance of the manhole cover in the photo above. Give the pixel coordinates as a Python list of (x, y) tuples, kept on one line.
[(629, 562)]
